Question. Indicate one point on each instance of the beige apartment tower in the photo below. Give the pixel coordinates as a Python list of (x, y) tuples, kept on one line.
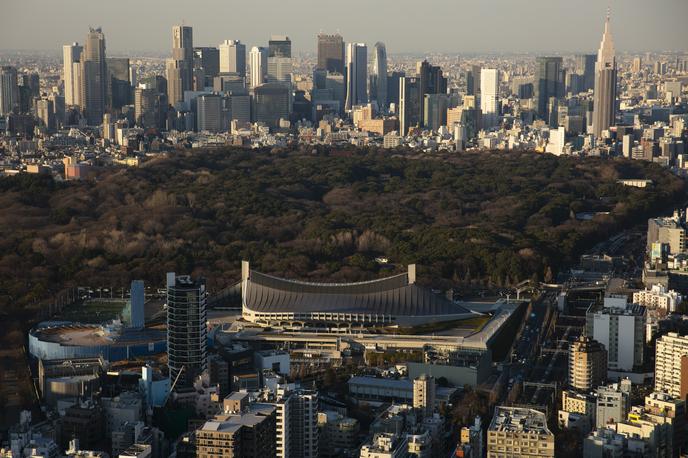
[(587, 364), (671, 365)]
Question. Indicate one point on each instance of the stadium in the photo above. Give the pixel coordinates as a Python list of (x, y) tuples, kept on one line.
[(386, 302), (64, 340)]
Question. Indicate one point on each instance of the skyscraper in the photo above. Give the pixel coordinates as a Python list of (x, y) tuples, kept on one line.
[(585, 67), (410, 99), (186, 328), (489, 96), (94, 75), (393, 87), (604, 99), (179, 69), (233, 57), (71, 55), (258, 64), (279, 60), (174, 73), (431, 82), (473, 80), (147, 107), (378, 88), (270, 103), (548, 83), (207, 59), (118, 85), (331, 53), (209, 113), (637, 64), (356, 74), (279, 46), (435, 111), (9, 89)]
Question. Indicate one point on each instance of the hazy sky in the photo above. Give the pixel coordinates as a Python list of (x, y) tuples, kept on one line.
[(404, 25)]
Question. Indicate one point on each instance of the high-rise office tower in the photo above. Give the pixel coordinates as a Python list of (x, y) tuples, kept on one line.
[(585, 67), (671, 365), (279, 60), (279, 46), (378, 88), (270, 103), (179, 69), (258, 64), (174, 73), (93, 75), (435, 111), (431, 82), (9, 89), (45, 112), (393, 87), (587, 364), (149, 106), (59, 107), (489, 96), (604, 99), (548, 83), (186, 328), (637, 64), (279, 70), (331, 53), (473, 80), (133, 75), (182, 42), (209, 113), (208, 59), (410, 99), (356, 74), (71, 56), (118, 84), (233, 57)]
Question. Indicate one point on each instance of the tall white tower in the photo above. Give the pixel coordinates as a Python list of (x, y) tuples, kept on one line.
[(258, 65), (604, 99), (71, 54), (489, 96)]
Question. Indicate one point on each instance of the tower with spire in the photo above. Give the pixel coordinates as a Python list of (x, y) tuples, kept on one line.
[(604, 100)]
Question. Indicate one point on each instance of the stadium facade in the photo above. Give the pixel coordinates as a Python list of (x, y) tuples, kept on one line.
[(52, 340), (392, 301)]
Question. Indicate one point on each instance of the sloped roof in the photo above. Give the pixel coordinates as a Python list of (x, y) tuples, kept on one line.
[(394, 295)]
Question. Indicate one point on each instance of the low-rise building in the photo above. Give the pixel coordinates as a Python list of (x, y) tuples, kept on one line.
[(517, 431), (658, 297), (338, 434), (386, 445), (613, 403)]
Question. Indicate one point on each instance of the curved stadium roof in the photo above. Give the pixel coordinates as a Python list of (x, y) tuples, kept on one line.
[(397, 295)]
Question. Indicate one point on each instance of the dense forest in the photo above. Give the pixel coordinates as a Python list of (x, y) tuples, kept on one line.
[(492, 218)]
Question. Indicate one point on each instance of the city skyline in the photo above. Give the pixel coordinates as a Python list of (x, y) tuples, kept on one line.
[(452, 27)]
